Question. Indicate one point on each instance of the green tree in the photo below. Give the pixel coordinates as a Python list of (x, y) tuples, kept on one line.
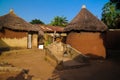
[(59, 21), (110, 14), (36, 21)]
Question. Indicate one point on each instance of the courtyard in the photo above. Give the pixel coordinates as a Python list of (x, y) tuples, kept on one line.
[(40, 69)]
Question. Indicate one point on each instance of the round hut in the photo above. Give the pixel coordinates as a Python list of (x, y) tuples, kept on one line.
[(86, 34), (16, 32)]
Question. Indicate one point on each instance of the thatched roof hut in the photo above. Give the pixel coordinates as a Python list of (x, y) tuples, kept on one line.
[(14, 30), (86, 21), (85, 33), (13, 22)]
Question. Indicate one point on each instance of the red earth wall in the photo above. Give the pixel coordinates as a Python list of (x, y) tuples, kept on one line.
[(88, 43)]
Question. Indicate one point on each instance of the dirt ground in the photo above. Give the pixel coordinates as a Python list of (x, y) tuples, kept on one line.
[(40, 69), (32, 59)]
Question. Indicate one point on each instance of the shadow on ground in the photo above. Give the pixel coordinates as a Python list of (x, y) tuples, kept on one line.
[(3, 46), (98, 69), (23, 75)]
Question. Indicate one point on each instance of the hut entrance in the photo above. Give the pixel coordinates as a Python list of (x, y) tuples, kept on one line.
[(40, 42), (32, 40)]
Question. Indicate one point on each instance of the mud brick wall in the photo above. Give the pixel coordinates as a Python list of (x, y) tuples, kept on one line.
[(10, 38), (6, 33), (87, 43), (35, 40)]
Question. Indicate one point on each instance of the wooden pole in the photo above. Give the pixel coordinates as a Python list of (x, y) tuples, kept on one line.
[(29, 41), (54, 36)]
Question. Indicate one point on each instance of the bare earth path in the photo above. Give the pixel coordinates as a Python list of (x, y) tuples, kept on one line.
[(32, 59)]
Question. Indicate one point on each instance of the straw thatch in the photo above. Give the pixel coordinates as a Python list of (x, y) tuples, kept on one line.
[(86, 21), (13, 22)]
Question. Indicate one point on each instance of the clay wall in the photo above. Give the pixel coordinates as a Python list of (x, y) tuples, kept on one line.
[(10, 38), (88, 43)]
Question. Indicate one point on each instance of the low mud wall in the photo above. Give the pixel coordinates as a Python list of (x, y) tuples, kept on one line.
[(113, 39)]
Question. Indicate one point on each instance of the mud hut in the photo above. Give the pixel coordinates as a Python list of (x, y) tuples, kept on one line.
[(86, 34), (16, 32)]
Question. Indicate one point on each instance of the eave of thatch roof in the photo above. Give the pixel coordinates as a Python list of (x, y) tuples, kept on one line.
[(86, 21), (12, 21)]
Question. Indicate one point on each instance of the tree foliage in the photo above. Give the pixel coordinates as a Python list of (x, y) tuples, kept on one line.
[(59, 21), (111, 14), (36, 21)]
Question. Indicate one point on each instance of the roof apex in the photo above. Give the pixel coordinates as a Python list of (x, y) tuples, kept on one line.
[(11, 11), (83, 6)]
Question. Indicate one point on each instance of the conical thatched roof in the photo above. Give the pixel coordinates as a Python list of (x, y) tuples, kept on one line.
[(12, 21), (86, 21)]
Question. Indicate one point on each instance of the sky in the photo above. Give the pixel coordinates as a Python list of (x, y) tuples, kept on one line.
[(46, 10)]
